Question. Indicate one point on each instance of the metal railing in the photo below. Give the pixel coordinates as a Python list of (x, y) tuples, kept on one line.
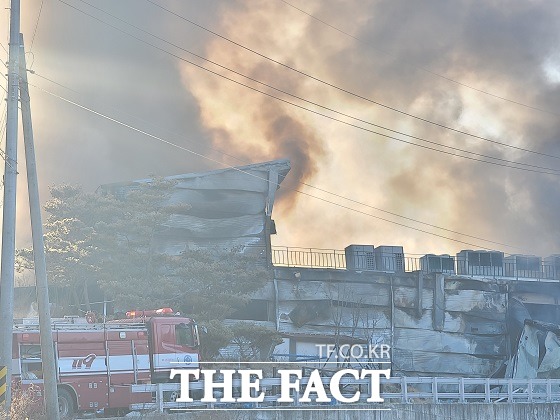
[(394, 390), (308, 257), (337, 259)]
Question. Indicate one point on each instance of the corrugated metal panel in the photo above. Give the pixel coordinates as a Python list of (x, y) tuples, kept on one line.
[(233, 227)]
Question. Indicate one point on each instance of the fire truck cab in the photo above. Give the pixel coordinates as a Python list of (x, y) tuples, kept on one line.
[(96, 363)]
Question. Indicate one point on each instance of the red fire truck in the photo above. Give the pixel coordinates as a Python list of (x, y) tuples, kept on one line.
[(96, 363)]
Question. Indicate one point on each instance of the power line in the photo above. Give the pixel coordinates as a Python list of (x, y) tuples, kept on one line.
[(33, 72), (456, 130), (307, 184), (162, 140), (36, 25), (303, 183), (6, 79), (544, 170), (420, 67), (120, 111)]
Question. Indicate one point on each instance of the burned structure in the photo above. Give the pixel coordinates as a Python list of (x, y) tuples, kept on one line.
[(227, 208), (442, 315)]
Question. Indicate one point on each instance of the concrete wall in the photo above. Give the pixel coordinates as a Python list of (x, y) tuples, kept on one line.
[(398, 412), (455, 329)]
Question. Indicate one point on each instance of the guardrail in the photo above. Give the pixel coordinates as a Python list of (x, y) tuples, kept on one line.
[(308, 257), (397, 390), (336, 259)]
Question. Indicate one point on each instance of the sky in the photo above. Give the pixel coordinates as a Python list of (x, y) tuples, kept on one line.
[(487, 68)]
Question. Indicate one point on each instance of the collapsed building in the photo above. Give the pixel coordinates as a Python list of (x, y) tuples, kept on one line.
[(436, 324), (442, 315), (227, 208)]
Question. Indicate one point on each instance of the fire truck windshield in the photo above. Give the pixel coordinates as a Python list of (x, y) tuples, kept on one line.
[(185, 335)]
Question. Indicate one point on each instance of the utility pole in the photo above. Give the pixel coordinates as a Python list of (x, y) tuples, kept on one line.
[(45, 327), (9, 207)]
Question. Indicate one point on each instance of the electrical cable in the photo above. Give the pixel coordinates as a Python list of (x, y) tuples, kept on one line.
[(543, 171), (120, 111), (420, 67), (36, 25), (162, 140), (357, 95), (265, 93), (303, 183), (34, 73), (3, 88), (405, 225), (324, 107)]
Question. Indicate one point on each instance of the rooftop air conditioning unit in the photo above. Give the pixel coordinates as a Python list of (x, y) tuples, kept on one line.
[(480, 263), (527, 266), (431, 263), (551, 267), (389, 258), (359, 257)]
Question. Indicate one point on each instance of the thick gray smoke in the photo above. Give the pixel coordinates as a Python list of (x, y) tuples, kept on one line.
[(508, 48)]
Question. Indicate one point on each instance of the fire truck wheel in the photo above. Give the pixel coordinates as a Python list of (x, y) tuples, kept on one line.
[(65, 404)]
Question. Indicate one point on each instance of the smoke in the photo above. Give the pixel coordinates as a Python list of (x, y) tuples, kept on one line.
[(495, 47), (256, 127), (505, 47), (289, 137)]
